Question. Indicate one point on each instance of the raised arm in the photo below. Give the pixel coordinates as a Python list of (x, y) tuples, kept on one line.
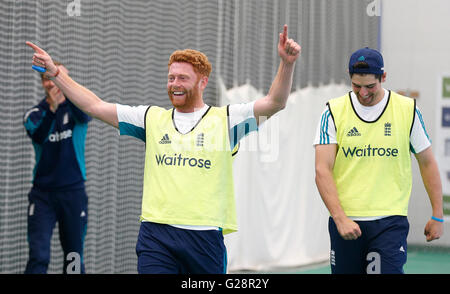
[(82, 97), (289, 51)]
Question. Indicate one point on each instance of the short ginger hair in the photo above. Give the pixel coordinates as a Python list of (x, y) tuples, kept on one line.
[(198, 60)]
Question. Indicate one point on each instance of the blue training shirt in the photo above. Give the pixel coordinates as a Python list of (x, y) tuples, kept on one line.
[(59, 143)]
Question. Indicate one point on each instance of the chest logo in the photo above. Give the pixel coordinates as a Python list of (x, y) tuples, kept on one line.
[(387, 129), (353, 132), (200, 139), (165, 140)]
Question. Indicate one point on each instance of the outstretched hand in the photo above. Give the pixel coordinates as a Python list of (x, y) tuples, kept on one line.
[(42, 59), (288, 49)]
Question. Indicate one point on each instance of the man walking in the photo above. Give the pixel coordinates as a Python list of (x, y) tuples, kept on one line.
[(363, 171)]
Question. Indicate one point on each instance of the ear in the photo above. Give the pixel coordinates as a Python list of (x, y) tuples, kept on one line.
[(203, 82), (383, 77)]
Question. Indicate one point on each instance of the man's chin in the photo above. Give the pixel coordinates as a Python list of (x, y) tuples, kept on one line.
[(177, 102), (366, 101)]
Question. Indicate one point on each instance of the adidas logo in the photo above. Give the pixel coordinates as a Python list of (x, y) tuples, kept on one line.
[(165, 140), (353, 132)]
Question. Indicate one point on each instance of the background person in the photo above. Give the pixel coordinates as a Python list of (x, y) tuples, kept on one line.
[(57, 129)]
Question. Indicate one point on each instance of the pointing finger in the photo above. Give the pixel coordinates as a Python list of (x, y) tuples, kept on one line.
[(35, 47), (283, 35)]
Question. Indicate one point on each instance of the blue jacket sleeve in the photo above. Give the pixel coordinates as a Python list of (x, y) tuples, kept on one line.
[(38, 122)]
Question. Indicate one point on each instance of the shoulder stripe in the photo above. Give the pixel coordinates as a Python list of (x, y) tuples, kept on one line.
[(419, 115), (241, 130), (27, 114), (132, 130), (324, 137)]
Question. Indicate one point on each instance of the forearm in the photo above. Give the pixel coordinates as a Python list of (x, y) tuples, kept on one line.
[(87, 101), (282, 84), (347, 228), (432, 182), (329, 194), (325, 159), (80, 96), (80, 116), (278, 94)]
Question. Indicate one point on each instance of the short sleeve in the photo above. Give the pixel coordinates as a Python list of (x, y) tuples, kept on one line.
[(419, 138), (326, 131), (242, 121), (132, 120)]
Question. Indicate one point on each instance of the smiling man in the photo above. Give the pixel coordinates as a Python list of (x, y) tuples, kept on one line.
[(188, 193), (363, 171), (187, 79)]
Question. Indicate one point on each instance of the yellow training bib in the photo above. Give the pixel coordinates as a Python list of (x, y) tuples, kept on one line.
[(372, 170), (188, 178)]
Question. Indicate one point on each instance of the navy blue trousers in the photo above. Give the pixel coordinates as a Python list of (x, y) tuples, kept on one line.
[(68, 208), (381, 249), (164, 249)]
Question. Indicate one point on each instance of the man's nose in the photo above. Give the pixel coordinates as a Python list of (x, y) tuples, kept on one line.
[(363, 91), (176, 83)]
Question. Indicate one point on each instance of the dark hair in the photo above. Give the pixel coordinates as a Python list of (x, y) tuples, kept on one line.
[(363, 64)]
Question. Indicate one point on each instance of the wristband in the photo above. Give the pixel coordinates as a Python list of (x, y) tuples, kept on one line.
[(56, 74), (437, 219)]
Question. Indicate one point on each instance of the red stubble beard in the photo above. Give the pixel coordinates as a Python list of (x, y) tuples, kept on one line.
[(185, 101)]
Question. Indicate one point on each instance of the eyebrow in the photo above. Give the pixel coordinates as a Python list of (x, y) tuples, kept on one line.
[(181, 74), (364, 85)]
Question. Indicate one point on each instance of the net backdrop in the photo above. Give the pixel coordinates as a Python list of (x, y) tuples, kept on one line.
[(119, 49)]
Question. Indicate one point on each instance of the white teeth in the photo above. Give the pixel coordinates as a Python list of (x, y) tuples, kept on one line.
[(178, 93)]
